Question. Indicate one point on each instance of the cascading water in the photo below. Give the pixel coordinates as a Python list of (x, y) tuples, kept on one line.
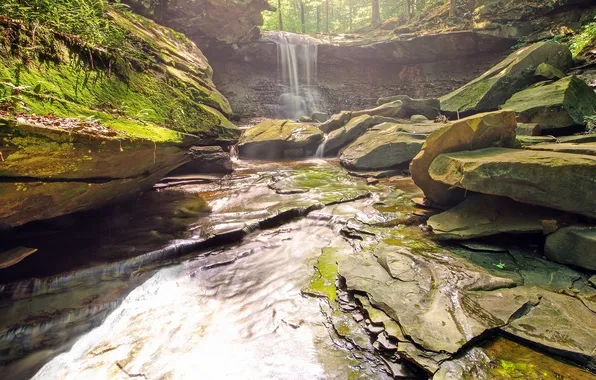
[(297, 59)]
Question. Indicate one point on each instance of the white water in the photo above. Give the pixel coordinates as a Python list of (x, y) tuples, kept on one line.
[(320, 153), (297, 58)]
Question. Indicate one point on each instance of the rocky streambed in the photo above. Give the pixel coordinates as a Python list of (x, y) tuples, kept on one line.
[(292, 270)]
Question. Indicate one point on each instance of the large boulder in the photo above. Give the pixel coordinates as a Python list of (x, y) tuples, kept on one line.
[(336, 121), (555, 106), (348, 133), (272, 139), (516, 72), (575, 245), (49, 171), (481, 215), (561, 181), (431, 108), (475, 132), (382, 147)]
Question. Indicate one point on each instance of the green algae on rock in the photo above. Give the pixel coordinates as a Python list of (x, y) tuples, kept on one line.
[(516, 72), (556, 107), (271, 139)]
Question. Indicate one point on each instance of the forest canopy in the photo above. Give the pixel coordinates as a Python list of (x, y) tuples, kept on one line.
[(345, 16)]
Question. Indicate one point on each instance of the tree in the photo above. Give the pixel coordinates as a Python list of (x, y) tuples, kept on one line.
[(327, 16), (452, 8), (302, 16), (376, 12), (280, 20)]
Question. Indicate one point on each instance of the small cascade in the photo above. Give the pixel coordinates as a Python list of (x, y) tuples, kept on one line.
[(297, 60), (320, 153), (234, 153)]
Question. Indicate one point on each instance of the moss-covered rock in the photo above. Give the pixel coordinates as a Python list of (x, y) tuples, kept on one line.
[(474, 132), (382, 147), (273, 139), (430, 108), (341, 137), (48, 171), (516, 72), (556, 106), (544, 71), (562, 181), (85, 124)]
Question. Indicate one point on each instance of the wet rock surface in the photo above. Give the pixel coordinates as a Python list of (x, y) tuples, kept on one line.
[(383, 300), (274, 139)]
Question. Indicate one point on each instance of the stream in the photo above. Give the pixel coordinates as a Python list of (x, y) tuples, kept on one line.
[(215, 277)]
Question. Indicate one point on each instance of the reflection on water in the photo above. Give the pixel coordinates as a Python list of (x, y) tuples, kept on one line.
[(235, 314)]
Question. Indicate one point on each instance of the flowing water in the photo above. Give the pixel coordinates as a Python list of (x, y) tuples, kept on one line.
[(297, 60), (214, 278)]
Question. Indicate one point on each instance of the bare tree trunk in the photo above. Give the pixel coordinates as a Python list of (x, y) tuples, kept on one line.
[(452, 8), (302, 17), (409, 2), (376, 12), (327, 16), (319, 19), (351, 5), (279, 17)]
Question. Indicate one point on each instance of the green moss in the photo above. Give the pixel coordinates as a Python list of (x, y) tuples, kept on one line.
[(581, 41), (323, 282)]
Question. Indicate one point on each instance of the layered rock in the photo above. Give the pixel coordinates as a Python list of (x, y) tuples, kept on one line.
[(575, 245), (49, 171), (482, 215), (272, 139), (140, 113), (554, 106), (206, 159), (343, 136), (581, 148), (430, 108), (561, 181), (475, 132), (385, 146), (516, 72)]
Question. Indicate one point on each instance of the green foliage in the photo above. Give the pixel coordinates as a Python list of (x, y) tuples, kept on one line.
[(344, 15), (580, 41), (84, 18)]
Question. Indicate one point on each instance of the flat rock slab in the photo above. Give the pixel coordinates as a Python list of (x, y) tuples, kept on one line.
[(382, 148), (15, 256), (562, 181), (341, 137), (482, 215), (574, 245), (583, 148)]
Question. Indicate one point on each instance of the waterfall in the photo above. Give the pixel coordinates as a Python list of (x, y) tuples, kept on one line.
[(297, 61), (320, 153)]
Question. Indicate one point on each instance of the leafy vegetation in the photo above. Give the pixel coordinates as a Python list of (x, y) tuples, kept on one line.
[(580, 41), (310, 16)]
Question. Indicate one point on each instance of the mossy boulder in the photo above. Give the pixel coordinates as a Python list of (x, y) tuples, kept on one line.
[(382, 147), (475, 132), (336, 121), (49, 171), (272, 139), (556, 107), (343, 136), (544, 71), (574, 245), (516, 72), (562, 181)]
